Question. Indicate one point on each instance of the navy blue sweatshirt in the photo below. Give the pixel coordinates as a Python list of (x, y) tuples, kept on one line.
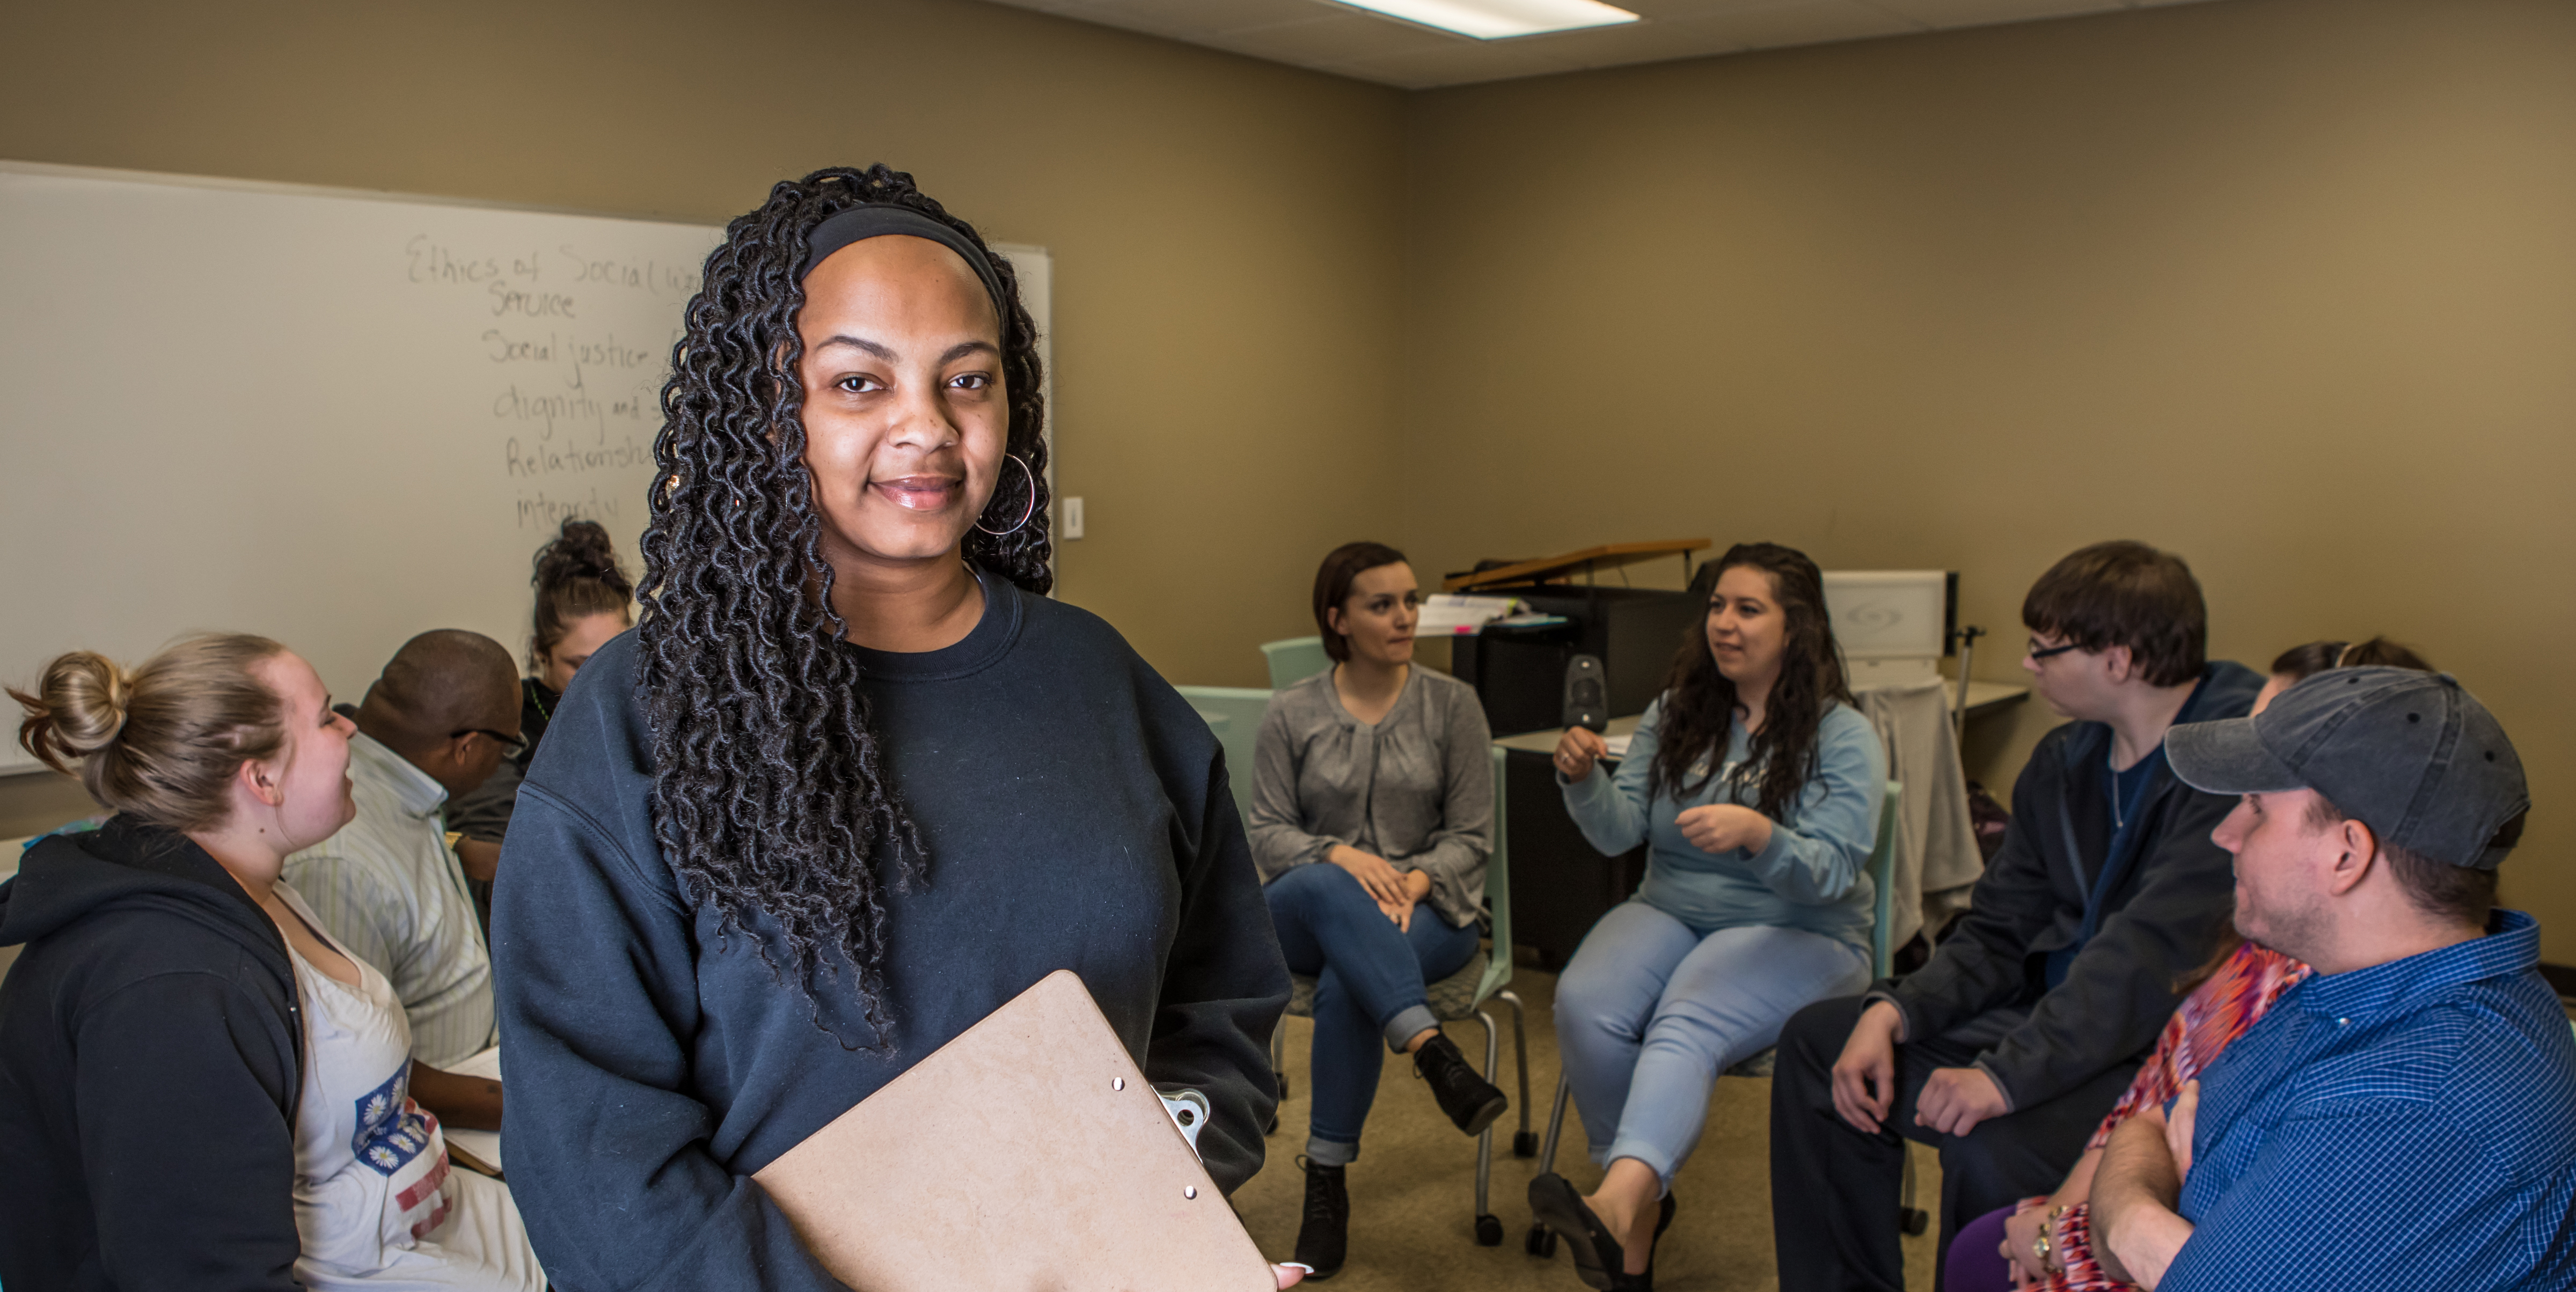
[(151, 1056), (1077, 816), (2160, 910)]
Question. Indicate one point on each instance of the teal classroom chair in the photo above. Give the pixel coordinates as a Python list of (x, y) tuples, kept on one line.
[(1234, 714), (1457, 998), (1294, 659), (1882, 868)]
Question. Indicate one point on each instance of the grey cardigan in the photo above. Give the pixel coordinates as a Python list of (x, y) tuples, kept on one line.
[(1416, 789)]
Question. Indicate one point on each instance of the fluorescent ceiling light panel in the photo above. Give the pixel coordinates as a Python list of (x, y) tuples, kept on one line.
[(1497, 19)]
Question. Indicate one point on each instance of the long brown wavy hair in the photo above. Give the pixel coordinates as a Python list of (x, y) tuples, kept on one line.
[(1699, 703)]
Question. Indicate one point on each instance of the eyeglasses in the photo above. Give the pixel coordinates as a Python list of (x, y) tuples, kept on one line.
[(511, 745), (2038, 652)]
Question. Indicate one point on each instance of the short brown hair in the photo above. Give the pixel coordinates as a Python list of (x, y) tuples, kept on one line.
[(1333, 581), (2125, 594), (2463, 894), (163, 742)]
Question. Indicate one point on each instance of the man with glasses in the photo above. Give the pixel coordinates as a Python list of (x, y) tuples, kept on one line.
[(432, 727), (2005, 1051)]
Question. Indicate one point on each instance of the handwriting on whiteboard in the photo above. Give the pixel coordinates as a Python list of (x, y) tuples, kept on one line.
[(578, 343)]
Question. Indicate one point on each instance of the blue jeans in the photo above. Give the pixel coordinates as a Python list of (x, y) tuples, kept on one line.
[(1650, 1011), (1369, 988)]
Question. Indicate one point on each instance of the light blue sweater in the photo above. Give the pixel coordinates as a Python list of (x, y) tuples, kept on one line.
[(1813, 876)]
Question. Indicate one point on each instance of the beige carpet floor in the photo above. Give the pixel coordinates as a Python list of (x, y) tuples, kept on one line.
[(1413, 1188)]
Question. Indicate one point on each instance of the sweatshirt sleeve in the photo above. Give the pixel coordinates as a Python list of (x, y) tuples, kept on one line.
[(2118, 991), (189, 1157), (1819, 859), (1279, 840), (1224, 987), (1454, 854), (596, 994), (1612, 811), (1983, 964)]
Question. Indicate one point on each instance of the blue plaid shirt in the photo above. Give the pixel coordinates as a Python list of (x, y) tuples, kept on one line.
[(2407, 1126)]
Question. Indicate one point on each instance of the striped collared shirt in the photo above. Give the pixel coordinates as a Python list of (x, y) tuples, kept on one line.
[(388, 888)]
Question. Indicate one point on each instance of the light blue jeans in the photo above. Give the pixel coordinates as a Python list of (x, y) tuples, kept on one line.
[(1650, 1011)]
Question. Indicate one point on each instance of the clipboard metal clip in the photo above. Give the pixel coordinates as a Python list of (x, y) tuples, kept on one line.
[(1188, 1110)]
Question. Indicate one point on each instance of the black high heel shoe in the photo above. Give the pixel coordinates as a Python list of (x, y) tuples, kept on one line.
[(1598, 1258), (1626, 1282)]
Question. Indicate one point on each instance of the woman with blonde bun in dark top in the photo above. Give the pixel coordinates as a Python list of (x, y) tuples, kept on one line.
[(204, 1089)]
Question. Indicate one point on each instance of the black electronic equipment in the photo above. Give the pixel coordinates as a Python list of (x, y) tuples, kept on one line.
[(1520, 672), (1586, 698)]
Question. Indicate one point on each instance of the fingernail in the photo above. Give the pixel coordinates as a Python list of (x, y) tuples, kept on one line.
[(1296, 1265)]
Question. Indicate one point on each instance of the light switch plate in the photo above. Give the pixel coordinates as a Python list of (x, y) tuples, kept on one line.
[(1072, 526)]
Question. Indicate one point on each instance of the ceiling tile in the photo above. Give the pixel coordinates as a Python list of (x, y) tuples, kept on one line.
[(1464, 62), (1642, 42), (1810, 22), (1188, 19), (1332, 38), (1978, 13), (1335, 38)]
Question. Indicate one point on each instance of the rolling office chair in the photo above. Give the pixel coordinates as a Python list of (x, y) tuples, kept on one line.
[(1882, 866), (1294, 659), (1457, 998)]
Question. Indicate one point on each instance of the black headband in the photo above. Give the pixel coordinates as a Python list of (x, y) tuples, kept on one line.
[(860, 223)]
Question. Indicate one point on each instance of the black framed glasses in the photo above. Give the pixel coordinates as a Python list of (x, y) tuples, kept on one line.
[(511, 745), (2038, 652)]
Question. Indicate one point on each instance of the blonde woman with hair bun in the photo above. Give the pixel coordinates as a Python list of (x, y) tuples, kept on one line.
[(205, 1090)]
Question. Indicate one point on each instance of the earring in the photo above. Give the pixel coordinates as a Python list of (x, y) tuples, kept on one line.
[(1033, 501)]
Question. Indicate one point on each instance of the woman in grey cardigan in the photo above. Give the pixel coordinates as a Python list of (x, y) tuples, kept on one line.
[(1372, 812)]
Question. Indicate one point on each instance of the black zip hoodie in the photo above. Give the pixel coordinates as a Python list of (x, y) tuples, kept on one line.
[(151, 1055)]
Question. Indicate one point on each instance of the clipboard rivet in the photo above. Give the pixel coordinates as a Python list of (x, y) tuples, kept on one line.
[(1190, 1191), (1118, 1083)]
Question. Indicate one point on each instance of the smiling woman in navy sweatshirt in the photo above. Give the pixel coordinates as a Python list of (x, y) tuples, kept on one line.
[(854, 782)]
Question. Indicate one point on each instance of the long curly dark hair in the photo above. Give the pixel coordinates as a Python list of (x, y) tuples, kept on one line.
[(1699, 703), (771, 790)]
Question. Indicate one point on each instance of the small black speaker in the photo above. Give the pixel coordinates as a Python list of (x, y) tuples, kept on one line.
[(1587, 695)]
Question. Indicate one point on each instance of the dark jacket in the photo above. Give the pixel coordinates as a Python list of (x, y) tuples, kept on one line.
[(151, 1056), (1076, 815), (2160, 915)]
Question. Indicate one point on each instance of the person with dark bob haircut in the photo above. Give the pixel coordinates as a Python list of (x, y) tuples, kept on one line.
[(1756, 785), (1373, 799), (853, 782), (2005, 1050)]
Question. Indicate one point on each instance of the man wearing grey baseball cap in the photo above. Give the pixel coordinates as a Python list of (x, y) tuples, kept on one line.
[(2406, 1118)]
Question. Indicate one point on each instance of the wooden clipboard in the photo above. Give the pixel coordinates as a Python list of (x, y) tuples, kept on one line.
[(1029, 1153)]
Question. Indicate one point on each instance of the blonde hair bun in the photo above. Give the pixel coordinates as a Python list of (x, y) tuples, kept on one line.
[(160, 742), (79, 708)]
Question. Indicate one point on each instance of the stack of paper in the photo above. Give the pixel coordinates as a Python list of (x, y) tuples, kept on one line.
[(1447, 614)]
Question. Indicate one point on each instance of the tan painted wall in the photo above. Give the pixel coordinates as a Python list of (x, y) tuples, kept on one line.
[(2284, 285), (1225, 231), (2287, 286)]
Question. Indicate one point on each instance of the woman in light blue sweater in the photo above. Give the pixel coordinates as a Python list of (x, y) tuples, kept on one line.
[(1758, 786)]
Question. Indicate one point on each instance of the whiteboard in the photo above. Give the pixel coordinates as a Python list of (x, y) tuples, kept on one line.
[(331, 417)]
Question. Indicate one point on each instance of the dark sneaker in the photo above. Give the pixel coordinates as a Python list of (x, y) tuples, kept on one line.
[(1324, 1239), (1470, 1100)]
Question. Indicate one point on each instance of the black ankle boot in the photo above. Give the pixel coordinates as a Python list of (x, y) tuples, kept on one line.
[(1470, 1100), (1325, 1237)]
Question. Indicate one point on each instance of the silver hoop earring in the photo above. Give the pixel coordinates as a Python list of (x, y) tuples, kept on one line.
[(1025, 515)]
